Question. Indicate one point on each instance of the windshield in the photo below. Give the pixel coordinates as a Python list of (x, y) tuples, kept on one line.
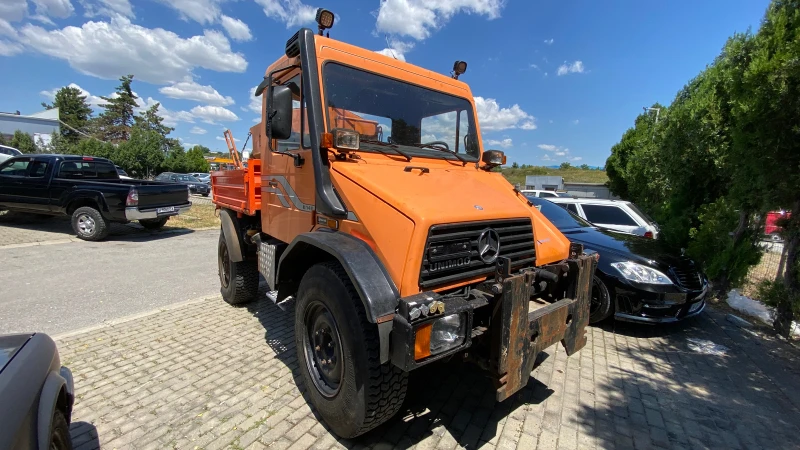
[(560, 217), (388, 111), (186, 178)]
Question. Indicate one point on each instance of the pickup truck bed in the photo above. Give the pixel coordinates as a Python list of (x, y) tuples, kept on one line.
[(89, 190)]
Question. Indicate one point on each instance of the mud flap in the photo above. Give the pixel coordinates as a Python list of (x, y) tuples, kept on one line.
[(524, 335)]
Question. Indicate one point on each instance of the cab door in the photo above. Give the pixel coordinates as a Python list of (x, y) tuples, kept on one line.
[(288, 181)]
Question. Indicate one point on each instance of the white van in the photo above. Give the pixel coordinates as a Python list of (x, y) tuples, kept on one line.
[(543, 193), (617, 215)]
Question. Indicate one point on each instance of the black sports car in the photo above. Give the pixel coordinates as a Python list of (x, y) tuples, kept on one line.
[(637, 279)]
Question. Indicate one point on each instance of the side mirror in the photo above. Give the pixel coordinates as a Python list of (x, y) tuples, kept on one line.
[(493, 158), (279, 113)]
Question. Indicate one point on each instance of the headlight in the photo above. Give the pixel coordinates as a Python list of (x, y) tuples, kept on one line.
[(447, 333), (641, 274), (191, 186)]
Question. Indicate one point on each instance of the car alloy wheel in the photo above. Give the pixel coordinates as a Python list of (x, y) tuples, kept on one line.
[(323, 349)]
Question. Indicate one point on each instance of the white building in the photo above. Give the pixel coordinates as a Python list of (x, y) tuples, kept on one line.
[(40, 125)]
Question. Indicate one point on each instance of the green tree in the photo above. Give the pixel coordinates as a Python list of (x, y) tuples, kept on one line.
[(142, 155), (73, 111), (514, 165), (585, 167), (115, 122), (565, 165), (195, 161), (765, 157), (23, 142)]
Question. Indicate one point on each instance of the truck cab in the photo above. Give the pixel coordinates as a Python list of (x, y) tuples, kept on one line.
[(370, 201)]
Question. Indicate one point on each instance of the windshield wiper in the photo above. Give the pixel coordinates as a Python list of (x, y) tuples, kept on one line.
[(392, 146), (435, 147)]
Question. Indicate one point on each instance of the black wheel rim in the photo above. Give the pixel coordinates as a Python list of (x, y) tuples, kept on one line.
[(224, 265), (598, 297), (323, 349)]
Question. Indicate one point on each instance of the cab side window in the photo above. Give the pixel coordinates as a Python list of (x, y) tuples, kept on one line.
[(38, 169), (299, 120), (18, 168)]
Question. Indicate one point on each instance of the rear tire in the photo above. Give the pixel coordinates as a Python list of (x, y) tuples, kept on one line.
[(601, 305), (59, 433), (89, 224), (238, 280), (205, 195), (154, 224), (341, 368)]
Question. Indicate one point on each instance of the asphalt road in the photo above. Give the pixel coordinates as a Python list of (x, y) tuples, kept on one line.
[(63, 287)]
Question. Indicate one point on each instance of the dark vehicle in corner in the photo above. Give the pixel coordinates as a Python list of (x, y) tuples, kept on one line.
[(195, 185), (636, 279), (89, 190), (36, 394)]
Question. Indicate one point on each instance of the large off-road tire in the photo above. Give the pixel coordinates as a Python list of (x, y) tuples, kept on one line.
[(154, 224), (338, 352), (59, 433), (89, 224), (602, 305), (238, 280)]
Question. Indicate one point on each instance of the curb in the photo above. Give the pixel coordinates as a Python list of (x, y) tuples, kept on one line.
[(121, 320)]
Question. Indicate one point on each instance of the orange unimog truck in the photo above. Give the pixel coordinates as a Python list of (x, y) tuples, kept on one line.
[(370, 202)]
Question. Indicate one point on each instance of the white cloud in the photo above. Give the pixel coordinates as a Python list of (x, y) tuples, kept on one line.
[(567, 68), (213, 114), (108, 8), (255, 102), (236, 29), (191, 90), (576, 121), (257, 120), (548, 147), (505, 143), (419, 18), (198, 130), (397, 49), (54, 8), (108, 49), (201, 11), (576, 158), (549, 41), (8, 48), (492, 117), (291, 12), (560, 153), (171, 118), (92, 100), (43, 19), (6, 29), (220, 138), (13, 10), (547, 157)]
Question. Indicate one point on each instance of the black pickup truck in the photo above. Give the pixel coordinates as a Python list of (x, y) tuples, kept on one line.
[(88, 189)]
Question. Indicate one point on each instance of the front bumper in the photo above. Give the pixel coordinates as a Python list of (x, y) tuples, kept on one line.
[(516, 335), (657, 305), (134, 213)]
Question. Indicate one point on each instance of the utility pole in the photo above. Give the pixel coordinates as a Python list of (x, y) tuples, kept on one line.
[(657, 110)]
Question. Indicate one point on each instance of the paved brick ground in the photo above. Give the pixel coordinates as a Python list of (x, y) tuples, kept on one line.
[(207, 375)]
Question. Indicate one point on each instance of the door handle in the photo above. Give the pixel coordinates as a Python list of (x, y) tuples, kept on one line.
[(273, 183), (420, 168)]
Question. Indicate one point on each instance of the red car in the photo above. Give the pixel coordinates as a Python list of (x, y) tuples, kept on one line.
[(771, 227)]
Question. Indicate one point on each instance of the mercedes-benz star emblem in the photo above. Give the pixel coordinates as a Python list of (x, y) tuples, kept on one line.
[(488, 246)]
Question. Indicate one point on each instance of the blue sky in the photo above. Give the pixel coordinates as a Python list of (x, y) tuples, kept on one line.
[(580, 71)]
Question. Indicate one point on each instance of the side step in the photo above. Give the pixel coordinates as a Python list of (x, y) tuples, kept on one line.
[(286, 303)]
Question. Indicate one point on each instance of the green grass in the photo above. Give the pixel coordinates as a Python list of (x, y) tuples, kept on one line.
[(573, 174), (199, 216)]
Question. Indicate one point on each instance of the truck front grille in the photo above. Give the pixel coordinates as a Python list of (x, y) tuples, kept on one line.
[(451, 252)]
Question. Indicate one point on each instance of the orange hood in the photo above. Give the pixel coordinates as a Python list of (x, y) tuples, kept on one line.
[(398, 207)]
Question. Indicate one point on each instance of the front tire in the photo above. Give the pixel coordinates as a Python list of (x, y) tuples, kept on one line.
[(89, 224), (238, 280), (338, 351), (601, 305), (154, 224), (59, 433)]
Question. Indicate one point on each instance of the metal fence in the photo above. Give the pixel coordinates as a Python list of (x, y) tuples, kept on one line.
[(772, 265)]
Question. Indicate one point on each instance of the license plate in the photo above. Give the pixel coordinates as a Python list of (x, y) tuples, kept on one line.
[(165, 210), (695, 307)]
